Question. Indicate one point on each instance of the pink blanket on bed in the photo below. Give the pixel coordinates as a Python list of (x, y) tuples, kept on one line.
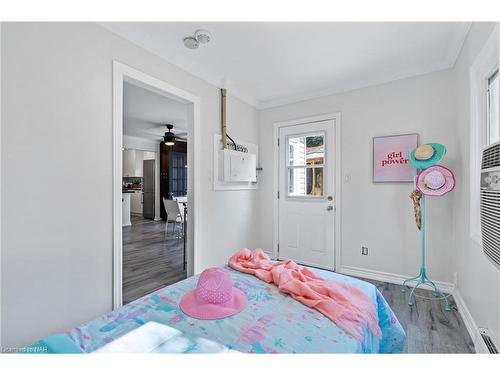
[(345, 305)]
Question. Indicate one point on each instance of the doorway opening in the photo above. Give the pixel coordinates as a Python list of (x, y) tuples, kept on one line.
[(155, 168)]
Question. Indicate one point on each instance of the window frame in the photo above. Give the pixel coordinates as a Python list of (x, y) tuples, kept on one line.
[(483, 67), (494, 74)]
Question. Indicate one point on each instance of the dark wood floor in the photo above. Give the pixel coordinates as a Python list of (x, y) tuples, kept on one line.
[(429, 328), (151, 259)]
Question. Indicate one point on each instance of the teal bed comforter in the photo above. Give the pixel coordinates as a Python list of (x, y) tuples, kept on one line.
[(272, 322)]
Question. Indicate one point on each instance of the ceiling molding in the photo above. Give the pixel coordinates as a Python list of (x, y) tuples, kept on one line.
[(185, 65), (458, 43), (271, 103), (449, 62)]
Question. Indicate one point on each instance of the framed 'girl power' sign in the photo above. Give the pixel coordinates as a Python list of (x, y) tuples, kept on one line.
[(390, 158)]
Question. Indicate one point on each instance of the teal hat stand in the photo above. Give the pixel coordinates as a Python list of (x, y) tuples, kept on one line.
[(423, 278)]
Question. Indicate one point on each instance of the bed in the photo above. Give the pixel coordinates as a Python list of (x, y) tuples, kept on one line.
[(272, 322)]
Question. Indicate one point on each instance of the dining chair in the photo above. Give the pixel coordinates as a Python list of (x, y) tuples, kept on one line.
[(174, 216), (181, 202)]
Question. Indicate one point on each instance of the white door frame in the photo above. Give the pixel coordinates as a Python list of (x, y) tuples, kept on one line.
[(121, 73), (337, 175)]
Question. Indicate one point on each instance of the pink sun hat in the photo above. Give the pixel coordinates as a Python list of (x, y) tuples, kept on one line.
[(214, 296), (436, 180)]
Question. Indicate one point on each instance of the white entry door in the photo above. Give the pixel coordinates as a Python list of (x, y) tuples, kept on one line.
[(306, 194)]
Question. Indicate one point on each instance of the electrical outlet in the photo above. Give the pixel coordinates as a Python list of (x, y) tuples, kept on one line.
[(364, 250)]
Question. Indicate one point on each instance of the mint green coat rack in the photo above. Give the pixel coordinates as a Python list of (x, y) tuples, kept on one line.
[(422, 278)]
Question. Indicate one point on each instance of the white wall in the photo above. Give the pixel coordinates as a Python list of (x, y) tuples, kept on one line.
[(379, 216), (478, 279), (57, 128)]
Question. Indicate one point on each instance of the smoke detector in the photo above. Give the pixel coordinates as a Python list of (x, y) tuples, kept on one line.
[(191, 42), (200, 37)]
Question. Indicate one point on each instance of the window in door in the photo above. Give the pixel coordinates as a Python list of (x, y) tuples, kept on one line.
[(306, 164), (492, 116)]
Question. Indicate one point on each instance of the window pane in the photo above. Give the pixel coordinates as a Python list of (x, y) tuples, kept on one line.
[(306, 150), (304, 182), (297, 151), (315, 150), (493, 109)]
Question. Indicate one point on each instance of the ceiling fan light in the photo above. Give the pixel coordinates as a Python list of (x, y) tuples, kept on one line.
[(169, 139)]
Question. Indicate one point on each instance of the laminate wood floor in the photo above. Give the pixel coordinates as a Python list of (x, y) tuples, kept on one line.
[(151, 259), (429, 328)]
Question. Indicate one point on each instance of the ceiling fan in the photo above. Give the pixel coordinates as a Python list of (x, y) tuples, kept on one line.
[(170, 138)]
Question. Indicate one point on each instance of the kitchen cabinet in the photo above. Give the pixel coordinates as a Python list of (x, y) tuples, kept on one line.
[(139, 157), (132, 162), (129, 164), (149, 155), (136, 202)]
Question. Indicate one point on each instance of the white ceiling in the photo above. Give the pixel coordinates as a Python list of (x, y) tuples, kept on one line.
[(145, 114), (270, 63)]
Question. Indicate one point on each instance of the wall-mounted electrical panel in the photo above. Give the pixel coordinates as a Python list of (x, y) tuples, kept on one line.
[(235, 170), (238, 166)]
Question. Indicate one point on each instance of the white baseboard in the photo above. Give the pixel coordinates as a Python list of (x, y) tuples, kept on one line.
[(464, 312), (389, 277)]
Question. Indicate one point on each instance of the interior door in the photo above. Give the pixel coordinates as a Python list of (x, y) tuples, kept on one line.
[(306, 194)]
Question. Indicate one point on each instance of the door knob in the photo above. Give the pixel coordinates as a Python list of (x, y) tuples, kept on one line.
[(329, 208)]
